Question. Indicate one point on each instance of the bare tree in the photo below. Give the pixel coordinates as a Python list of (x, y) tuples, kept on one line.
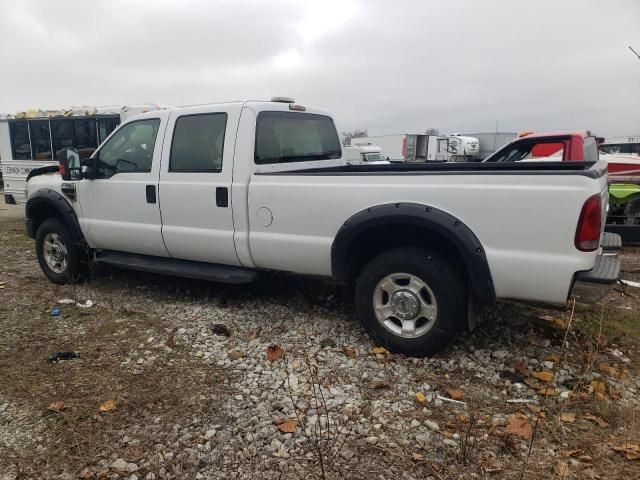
[(357, 133), (432, 131)]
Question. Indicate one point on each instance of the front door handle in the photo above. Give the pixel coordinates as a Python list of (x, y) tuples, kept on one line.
[(151, 193), (222, 197)]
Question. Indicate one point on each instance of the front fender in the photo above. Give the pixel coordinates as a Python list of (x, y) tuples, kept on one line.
[(46, 203)]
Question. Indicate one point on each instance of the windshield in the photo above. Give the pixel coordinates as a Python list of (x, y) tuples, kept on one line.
[(283, 137)]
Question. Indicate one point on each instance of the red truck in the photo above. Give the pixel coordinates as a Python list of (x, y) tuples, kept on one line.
[(582, 146)]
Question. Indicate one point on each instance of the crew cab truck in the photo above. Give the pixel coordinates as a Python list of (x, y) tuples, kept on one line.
[(220, 192)]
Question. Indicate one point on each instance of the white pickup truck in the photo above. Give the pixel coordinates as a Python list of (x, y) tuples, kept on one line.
[(222, 191)]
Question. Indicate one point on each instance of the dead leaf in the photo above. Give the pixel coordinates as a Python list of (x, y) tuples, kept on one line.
[(380, 385), (57, 406), (493, 466), (235, 355), (535, 409), (519, 425), (547, 392), (455, 394), (570, 453), (586, 458), (598, 386), (554, 358), (543, 376), (288, 426), (108, 406), (255, 334), (420, 398), (630, 450), (561, 469), (594, 418), (559, 323), (521, 368), (601, 340), (349, 352), (378, 350), (568, 417), (416, 457), (274, 352), (533, 384)]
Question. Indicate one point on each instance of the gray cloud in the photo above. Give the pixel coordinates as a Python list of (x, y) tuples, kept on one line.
[(386, 66)]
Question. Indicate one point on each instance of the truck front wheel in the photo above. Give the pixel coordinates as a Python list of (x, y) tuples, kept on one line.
[(58, 255), (411, 300)]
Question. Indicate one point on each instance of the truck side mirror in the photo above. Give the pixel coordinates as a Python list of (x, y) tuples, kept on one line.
[(89, 168), (69, 159)]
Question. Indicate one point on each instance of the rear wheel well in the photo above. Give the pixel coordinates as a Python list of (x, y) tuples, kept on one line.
[(375, 240)]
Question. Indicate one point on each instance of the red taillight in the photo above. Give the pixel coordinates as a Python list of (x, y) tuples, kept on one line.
[(61, 169), (589, 225)]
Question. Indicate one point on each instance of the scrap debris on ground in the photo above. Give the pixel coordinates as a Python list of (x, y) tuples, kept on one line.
[(159, 377)]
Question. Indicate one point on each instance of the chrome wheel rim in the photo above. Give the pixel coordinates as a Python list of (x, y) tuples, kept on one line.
[(405, 305), (55, 252)]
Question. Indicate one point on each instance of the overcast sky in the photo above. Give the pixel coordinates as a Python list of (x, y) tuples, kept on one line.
[(388, 66)]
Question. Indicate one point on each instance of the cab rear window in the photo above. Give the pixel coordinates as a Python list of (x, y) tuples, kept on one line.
[(284, 137)]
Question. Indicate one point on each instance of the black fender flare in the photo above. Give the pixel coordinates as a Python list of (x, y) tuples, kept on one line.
[(442, 223), (47, 199)]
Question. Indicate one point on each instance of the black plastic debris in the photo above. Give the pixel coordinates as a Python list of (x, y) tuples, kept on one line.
[(57, 356), (219, 329), (512, 377)]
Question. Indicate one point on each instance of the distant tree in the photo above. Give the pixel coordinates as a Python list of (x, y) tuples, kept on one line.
[(432, 131), (357, 133)]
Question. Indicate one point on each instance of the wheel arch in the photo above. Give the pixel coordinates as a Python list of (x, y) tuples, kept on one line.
[(48, 203), (381, 227)]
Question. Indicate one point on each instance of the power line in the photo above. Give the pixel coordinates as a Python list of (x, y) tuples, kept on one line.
[(636, 53)]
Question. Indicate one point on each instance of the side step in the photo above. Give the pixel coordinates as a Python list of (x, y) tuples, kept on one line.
[(179, 268), (606, 271), (611, 242)]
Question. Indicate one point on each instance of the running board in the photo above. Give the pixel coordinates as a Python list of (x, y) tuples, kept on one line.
[(180, 268)]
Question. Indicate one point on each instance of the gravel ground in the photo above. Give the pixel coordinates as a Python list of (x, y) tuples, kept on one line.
[(277, 380)]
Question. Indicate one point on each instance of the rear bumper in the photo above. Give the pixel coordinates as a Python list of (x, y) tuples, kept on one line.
[(592, 285)]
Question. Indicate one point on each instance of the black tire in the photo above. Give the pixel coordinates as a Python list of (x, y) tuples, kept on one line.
[(76, 264), (443, 279)]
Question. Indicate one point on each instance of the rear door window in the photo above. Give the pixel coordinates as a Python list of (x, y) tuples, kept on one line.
[(198, 142), (283, 137)]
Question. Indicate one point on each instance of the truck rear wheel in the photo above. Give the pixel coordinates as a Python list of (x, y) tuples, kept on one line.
[(411, 300), (58, 255)]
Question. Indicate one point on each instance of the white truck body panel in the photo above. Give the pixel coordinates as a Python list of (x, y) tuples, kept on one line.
[(518, 257)]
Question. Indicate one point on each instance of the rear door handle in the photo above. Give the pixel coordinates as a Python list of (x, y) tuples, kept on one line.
[(222, 197), (151, 193)]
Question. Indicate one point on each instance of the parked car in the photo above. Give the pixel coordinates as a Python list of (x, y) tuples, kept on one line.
[(220, 192)]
